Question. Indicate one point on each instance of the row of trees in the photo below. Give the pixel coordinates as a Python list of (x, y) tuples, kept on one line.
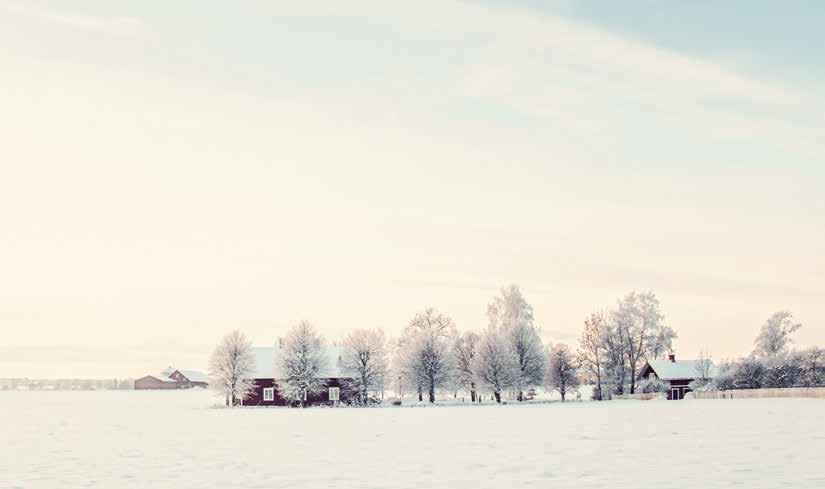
[(428, 357), (616, 343), (773, 362)]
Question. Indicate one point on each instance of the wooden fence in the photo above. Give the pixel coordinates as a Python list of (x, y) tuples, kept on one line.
[(813, 392)]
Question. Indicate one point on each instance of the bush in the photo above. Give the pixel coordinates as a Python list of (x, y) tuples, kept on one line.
[(650, 386)]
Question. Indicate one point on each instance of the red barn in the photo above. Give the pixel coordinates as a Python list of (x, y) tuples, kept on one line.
[(267, 372), (172, 379)]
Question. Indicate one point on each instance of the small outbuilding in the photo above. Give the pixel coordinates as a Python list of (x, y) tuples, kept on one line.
[(677, 374)]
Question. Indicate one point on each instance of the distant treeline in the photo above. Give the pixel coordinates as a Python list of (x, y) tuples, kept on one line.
[(66, 384)]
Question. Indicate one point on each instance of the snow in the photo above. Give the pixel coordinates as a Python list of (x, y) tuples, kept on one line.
[(194, 375), (267, 364), (680, 369), (153, 439), (159, 378)]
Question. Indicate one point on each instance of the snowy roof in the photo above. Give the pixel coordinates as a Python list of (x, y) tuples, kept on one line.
[(679, 369), (194, 375), (264, 362), (268, 365), (160, 378)]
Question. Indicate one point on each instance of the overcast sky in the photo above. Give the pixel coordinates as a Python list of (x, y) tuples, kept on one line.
[(170, 171)]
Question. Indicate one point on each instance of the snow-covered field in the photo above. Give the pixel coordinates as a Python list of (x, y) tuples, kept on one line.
[(174, 440)]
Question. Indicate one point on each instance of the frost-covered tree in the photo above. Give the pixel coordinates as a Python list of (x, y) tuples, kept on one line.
[(749, 373), (775, 336), (782, 371), (661, 342), (493, 363), (592, 354), (562, 370), (640, 324), (302, 362), (615, 356), (231, 367), (427, 351), (812, 364), (465, 349), (513, 316), (365, 358)]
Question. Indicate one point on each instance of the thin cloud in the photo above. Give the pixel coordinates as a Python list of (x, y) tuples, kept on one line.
[(111, 25)]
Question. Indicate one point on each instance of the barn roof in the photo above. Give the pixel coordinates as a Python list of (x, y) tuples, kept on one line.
[(159, 378), (267, 363), (194, 375), (679, 369)]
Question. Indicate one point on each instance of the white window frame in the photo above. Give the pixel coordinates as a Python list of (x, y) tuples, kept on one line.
[(334, 393), (269, 393)]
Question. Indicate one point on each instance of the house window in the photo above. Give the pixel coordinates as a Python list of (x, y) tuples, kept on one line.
[(269, 394), (334, 393)]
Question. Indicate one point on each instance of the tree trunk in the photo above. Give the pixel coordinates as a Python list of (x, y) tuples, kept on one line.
[(498, 397), (562, 396), (473, 391), (520, 396), (431, 393), (420, 394)]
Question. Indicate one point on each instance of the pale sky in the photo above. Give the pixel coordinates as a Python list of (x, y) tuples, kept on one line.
[(170, 171)]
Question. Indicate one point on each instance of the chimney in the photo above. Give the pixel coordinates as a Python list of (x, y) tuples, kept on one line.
[(672, 358)]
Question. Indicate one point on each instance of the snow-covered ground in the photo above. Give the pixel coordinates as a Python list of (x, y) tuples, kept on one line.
[(175, 440)]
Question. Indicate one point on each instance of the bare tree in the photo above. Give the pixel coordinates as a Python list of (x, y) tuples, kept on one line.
[(775, 336), (231, 367), (592, 353), (302, 361), (511, 313), (428, 348), (703, 366), (493, 362), (365, 357), (562, 371), (465, 353)]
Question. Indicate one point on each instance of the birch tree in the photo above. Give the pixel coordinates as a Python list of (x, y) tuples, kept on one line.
[(513, 315), (562, 371), (465, 352), (493, 364), (302, 361), (365, 358), (231, 367)]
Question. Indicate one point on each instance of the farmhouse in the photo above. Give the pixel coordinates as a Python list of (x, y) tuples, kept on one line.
[(677, 374), (171, 378), (268, 371)]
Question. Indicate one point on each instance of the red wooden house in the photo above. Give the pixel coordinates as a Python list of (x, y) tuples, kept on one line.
[(268, 373), (677, 374)]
